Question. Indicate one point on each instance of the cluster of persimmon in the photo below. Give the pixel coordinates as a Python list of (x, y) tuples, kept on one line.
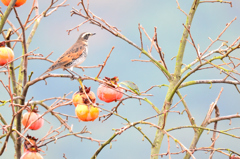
[(32, 120), (84, 100), (31, 149), (17, 4)]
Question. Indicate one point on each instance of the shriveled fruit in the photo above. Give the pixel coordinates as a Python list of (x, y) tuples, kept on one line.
[(30, 144), (17, 4), (81, 98), (31, 149), (29, 117), (108, 93), (6, 54), (86, 113)]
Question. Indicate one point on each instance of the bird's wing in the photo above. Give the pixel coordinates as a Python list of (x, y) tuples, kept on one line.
[(68, 56)]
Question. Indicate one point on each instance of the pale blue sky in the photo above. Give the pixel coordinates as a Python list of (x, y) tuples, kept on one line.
[(210, 19)]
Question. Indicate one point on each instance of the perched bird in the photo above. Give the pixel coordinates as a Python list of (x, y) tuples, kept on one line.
[(74, 56)]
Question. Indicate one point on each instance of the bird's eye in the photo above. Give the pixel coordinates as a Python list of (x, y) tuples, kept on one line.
[(86, 36)]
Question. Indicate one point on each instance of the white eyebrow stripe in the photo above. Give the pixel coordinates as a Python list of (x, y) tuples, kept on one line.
[(85, 34)]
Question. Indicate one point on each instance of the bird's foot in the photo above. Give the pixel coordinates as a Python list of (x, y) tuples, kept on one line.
[(72, 78), (76, 74)]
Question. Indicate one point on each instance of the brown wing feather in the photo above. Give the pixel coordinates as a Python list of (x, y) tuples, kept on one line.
[(69, 55)]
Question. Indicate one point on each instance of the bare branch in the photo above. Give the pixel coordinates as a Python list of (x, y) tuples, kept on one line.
[(180, 8), (219, 1), (104, 62)]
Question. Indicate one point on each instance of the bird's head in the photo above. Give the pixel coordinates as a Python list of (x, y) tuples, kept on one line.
[(84, 36)]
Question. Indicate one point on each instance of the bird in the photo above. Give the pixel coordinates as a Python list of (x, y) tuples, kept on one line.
[(73, 56)]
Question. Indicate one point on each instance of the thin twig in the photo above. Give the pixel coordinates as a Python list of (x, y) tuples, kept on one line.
[(193, 43), (104, 62)]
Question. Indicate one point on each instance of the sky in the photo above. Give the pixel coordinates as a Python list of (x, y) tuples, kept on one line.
[(51, 36)]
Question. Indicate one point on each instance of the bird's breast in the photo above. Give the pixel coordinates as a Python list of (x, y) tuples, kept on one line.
[(77, 60), (80, 60)]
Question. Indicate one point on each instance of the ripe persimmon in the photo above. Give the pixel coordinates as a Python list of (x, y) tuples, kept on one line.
[(31, 155), (81, 98), (108, 93), (86, 113), (31, 116), (17, 4), (6, 54)]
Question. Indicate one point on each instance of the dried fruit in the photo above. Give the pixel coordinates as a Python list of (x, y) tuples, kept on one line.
[(31, 149)]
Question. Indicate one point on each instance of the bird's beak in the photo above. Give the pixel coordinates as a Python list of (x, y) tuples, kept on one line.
[(93, 34)]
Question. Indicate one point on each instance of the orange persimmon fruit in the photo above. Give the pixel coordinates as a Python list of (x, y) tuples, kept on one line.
[(86, 113), (17, 4), (81, 98), (29, 117), (108, 93), (6, 54), (31, 155)]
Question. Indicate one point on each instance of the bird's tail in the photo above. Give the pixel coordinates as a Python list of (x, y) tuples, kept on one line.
[(53, 67), (44, 73)]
